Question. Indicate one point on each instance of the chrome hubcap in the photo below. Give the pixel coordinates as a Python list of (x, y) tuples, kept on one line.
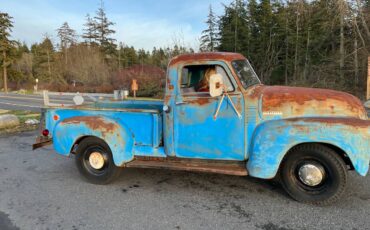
[(311, 174), (96, 160)]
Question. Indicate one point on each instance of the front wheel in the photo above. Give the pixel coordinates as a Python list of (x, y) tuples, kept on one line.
[(94, 160), (314, 174)]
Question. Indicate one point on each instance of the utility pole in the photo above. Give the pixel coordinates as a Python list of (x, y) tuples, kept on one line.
[(368, 79)]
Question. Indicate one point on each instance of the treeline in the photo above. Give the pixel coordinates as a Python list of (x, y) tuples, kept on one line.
[(90, 62), (317, 43)]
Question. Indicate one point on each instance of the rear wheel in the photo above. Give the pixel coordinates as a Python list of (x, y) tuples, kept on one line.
[(95, 161), (314, 174)]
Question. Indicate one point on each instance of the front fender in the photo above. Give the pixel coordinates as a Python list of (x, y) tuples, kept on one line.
[(118, 137), (273, 139)]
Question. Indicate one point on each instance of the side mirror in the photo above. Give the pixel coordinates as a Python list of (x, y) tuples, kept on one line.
[(216, 85)]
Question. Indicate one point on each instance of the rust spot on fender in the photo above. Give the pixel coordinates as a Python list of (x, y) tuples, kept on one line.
[(275, 96), (95, 123), (298, 101)]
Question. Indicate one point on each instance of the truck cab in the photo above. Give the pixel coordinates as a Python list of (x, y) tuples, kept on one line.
[(218, 117)]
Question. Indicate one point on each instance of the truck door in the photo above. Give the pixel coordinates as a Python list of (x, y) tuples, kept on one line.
[(197, 134)]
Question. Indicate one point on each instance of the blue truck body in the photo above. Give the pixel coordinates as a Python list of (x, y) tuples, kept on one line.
[(310, 136), (273, 120)]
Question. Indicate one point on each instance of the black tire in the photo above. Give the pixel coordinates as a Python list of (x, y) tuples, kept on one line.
[(331, 187), (102, 176)]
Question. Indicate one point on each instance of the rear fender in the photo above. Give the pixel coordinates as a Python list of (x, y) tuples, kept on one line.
[(67, 132), (272, 140)]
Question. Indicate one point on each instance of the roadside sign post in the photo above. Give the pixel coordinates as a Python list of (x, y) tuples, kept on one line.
[(36, 85), (134, 87)]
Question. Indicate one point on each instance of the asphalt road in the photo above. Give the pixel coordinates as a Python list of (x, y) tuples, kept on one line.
[(42, 190), (13, 101)]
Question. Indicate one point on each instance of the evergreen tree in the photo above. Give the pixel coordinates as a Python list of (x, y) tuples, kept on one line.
[(103, 31), (252, 15), (268, 47), (6, 44), (233, 28), (66, 35), (130, 56), (43, 59), (159, 58), (90, 33), (320, 43), (209, 36)]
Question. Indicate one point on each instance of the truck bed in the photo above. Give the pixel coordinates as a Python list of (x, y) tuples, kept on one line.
[(142, 118)]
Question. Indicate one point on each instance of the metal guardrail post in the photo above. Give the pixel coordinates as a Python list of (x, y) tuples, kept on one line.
[(46, 97)]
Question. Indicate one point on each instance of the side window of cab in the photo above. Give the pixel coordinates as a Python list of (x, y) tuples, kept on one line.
[(195, 79)]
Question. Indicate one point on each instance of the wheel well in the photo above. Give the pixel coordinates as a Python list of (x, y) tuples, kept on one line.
[(336, 149), (79, 140)]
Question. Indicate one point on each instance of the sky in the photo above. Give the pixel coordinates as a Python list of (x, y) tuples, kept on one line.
[(139, 23)]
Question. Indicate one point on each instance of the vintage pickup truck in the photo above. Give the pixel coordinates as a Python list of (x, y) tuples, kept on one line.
[(306, 138)]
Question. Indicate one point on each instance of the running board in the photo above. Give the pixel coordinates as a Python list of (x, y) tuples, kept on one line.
[(220, 167)]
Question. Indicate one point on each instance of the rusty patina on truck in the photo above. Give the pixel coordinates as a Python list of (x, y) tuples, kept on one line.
[(217, 117)]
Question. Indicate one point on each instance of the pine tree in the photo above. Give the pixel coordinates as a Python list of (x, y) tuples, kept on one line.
[(268, 44), (233, 28), (98, 31), (43, 58), (66, 35), (67, 38), (209, 36), (252, 42), (103, 30), (90, 34), (6, 44)]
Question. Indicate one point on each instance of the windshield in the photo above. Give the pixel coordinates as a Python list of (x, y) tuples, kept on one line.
[(245, 73)]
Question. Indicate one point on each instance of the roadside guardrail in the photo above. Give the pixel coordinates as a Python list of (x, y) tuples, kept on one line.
[(78, 97)]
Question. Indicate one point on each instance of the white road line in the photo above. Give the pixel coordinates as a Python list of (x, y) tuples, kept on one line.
[(21, 105), (33, 99)]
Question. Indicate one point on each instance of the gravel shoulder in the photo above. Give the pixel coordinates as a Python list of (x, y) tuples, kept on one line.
[(42, 190)]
